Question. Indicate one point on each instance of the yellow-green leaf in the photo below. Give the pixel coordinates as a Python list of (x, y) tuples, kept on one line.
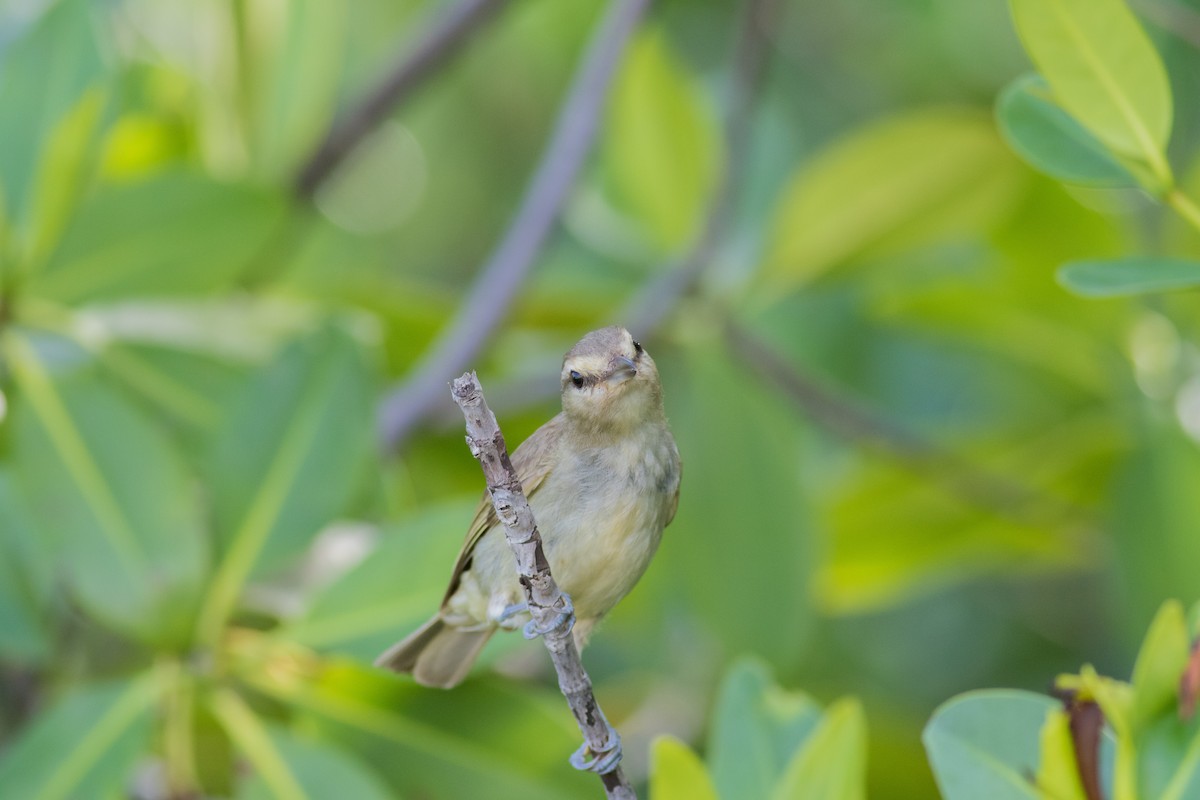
[(1160, 662), (677, 773), (896, 184), (663, 149), (1104, 71), (1058, 774), (832, 764)]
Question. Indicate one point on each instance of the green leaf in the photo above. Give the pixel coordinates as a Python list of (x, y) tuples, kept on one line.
[(299, 51), (1058, 773), (664, 147), (175, 234), (62, 176), (898, 183), (85, 745), (676, 773), (106, 485), (286, 461), (392, 591), (320, 770), (1051, 140), (1104, 71), (756, 729), (1160, 662), (742, 474), (26, 581), (1168, 759), (985, 744), (1129, 276), (832, 764), (43, 76)]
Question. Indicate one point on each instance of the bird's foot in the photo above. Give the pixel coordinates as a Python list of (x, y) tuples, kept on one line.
[(601, 762), (509, 612), (562, 624)]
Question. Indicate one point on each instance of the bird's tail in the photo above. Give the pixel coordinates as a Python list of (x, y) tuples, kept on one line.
[(436, 654)]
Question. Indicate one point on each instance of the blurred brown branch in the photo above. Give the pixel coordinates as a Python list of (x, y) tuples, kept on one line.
[(497, 283), (547, 604), (837, 414), (1176, 18), (648, 309), (444, 39)]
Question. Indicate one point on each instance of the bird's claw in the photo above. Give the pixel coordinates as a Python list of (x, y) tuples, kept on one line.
[(562, 624), (511, 611), (601, 762)]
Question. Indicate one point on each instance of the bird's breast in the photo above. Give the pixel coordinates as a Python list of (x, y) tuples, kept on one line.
[(601, 514)]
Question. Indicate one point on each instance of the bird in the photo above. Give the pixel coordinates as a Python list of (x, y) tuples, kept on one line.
[(602, 478)]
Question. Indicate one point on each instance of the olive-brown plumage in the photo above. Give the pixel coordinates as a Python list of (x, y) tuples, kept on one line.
[(602, 479)]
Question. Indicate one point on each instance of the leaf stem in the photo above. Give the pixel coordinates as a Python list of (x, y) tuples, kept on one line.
[(178, 748)]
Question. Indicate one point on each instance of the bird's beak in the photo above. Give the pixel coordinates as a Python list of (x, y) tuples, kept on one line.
[(623, 370)]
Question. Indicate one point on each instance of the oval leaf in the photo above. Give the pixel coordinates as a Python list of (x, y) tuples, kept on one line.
[(756, 729), (1051, 140), (899, 183), (677, 773), (1058, 772), (1104, 71), (832, 765), (1129, 276), (985, 744), (663, 149), (1160, 663)]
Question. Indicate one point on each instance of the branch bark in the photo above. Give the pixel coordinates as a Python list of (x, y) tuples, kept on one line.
[(545, 600), (443, 41), (505, 270)]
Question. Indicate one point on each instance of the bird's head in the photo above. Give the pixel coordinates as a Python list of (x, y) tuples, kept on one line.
[(610, 381)]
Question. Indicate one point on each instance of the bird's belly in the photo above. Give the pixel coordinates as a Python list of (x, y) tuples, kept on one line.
[(598, 558)]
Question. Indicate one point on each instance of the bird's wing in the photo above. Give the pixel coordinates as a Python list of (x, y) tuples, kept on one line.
[(675, 499), (532, 461)]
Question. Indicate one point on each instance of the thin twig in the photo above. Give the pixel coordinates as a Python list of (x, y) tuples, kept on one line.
[(832, 411), (545, 600), (498, 281), (441, 43), (647, 310)]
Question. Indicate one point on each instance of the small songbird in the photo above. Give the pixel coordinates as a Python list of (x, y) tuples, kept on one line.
[(602, 479)]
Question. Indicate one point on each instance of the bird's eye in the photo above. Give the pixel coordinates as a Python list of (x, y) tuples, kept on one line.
[(576, 379), (637, 347)]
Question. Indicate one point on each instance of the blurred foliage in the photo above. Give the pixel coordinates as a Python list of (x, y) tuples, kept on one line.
[(916, 464)]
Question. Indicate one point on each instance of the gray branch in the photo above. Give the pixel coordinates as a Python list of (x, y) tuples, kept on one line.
[(443, 40), (545, 600), (506, 269)]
